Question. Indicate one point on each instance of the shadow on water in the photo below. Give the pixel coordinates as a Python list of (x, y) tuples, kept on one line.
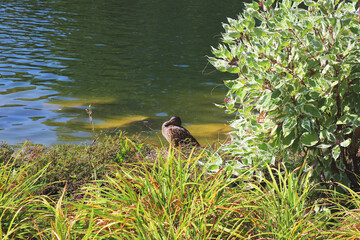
[(125, 58)]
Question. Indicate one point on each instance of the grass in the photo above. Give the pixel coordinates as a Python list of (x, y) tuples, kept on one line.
[(284, 210), (169, 199), (17, 191), (130, 190)]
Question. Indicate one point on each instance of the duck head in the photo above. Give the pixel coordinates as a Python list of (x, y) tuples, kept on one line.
[(174, 120)]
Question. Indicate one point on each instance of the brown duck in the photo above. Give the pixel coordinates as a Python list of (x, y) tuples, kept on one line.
[(175, 133)]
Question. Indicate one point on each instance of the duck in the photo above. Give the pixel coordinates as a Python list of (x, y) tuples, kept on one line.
[(176, 134)]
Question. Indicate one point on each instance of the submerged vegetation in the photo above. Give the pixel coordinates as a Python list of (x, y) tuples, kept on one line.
[(289, 171)]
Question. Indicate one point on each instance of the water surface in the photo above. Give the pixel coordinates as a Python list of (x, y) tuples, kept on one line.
[(135, 62)]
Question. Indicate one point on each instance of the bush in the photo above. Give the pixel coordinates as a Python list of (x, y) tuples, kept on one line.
[(298, 82)]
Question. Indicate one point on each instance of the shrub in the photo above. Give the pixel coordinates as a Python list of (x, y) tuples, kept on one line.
[(298, 85)]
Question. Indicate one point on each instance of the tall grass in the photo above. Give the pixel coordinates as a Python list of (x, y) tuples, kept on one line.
[(171, 198), (283, 209), (17, 190), (346, 214), (60, 219), (169, 195)]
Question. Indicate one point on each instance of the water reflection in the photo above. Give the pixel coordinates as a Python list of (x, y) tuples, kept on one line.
[(125, 58)]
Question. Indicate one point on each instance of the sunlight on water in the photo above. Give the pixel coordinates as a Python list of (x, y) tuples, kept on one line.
[(74, 103), (118, 122), (136, 64)]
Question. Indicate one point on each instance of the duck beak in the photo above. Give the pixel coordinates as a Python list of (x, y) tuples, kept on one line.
[(167, 123), (170, 122)]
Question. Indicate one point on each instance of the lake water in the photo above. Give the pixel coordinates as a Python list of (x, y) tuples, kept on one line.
[(135, 62)]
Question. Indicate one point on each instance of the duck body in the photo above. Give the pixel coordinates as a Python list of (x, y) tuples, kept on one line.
[(176, 134)]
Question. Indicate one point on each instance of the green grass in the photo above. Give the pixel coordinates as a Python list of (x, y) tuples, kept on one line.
[(17, 193), (284, 211), (171, 198), (137, 191)]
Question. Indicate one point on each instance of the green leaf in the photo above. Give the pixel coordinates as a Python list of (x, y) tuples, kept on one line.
[(289, 139), (306, 124), (330, 136), (288, 125), (346, 142), (276, 94), (323, 10), (323, 146), (311, 110), (309, 3), (234, 34), (331, 128), (347, 119), (263, 146), (218, 64), (232, 69), (268, 3), (317, 45), (265, 99), (213, 167), (259, 32), (354, 30), (251, 24), (336, 152), (309, 139), (219, 105)]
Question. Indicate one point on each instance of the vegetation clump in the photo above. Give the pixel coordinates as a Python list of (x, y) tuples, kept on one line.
[(73, 166), (298, 75), (152, 193)]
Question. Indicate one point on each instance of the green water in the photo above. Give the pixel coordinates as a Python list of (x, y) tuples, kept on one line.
[(125, 58)]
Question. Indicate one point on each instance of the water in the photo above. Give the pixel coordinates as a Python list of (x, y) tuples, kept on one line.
[(135, 62)]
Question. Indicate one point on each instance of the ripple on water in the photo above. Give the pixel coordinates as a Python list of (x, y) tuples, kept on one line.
[(57, 59), (28, 67)]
